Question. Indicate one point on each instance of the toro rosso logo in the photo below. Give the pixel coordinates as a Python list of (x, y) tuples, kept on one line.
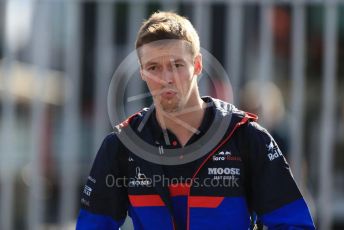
[(225, 156)]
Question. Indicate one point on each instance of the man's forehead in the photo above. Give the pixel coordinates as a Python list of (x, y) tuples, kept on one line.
[(171, 50), (162, 59)]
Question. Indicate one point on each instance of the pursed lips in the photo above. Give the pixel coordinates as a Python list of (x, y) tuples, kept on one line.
[(168, 93)]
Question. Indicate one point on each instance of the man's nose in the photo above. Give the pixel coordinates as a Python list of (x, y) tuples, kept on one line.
[(168, 75)]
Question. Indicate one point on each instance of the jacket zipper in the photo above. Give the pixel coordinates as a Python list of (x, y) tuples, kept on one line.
[(243, 121)]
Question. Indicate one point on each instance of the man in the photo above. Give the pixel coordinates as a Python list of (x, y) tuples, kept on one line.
[(241, 180)]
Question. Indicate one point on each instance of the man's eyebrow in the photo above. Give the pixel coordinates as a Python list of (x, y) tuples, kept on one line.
[(171, 59), (177, 60), (150, 63)]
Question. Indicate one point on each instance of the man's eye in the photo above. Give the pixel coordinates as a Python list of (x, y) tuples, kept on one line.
[(151, 68), (177, 65)]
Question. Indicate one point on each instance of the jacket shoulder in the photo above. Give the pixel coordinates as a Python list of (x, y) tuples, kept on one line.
[(227, 108), (132, 121)]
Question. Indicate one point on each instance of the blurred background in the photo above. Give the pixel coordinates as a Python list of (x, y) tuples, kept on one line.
[(285, 61)]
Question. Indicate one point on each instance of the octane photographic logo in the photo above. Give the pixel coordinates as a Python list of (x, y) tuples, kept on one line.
[(118, 99)]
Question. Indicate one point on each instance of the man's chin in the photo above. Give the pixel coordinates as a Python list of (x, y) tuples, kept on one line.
[(169, 106)]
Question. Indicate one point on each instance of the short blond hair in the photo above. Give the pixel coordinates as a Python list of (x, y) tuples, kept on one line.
[(168, 25)]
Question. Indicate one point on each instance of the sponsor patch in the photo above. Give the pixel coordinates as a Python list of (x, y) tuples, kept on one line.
[(140, 179), (92, 179), (225, 156), (87, 190), (273, 151), (223, 171)]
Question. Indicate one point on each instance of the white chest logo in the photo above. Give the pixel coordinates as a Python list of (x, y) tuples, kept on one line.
[(225, 156), (140, 179), (225, 153)]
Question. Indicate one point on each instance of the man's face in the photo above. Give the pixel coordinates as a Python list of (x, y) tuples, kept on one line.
[(170, 71)]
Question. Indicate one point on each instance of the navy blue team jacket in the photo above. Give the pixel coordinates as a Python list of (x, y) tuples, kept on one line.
[(262, 187)]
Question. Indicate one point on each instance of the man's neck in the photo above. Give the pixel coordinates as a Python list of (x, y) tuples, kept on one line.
[(183, 123)]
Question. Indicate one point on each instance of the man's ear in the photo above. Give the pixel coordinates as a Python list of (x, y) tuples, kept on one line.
[(198, 65)]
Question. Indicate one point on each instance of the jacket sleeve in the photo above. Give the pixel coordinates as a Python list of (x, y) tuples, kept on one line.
[(273, 194), (104, 199)]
